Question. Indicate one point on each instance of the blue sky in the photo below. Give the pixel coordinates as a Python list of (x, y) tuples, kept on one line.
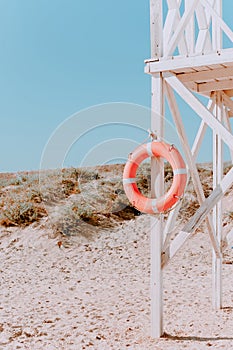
[(59, 57)]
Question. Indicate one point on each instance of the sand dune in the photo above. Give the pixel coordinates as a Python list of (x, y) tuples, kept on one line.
[(94, 294)]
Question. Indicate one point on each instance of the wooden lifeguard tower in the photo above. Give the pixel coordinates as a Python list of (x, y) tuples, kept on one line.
[(188, 57)]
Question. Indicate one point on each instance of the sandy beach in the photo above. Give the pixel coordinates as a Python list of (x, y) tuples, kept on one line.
[(95, 294)]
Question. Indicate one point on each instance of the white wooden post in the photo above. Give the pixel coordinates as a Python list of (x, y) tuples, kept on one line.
[(217, 211), (204, 67), (157, 126), (216, 30), (156, 28), (190, 31), (157, 184)]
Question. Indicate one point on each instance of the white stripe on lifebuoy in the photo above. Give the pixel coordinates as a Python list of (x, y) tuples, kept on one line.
[(180, 171), (154, 206), (129, 180)]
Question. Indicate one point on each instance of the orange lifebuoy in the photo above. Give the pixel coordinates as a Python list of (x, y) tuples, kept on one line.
[(165, 202)]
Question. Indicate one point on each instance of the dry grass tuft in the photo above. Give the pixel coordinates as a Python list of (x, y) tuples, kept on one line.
[(79, 201)]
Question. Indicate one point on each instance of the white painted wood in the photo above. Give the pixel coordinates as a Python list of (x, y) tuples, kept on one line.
[(156, 278), (203, 43), (215, 86), (201, 131), (156, 28), (217, 210), (206, 75), (200, 109), (191, 164), (180, 29), (226, 119), (157, 189), (172, 20), (216, 30), (168, 26), (230, 129), (224, 27), (203, 74), (223, 56), (227, 101), (199, 138), (195, 221), (189, 30), (170, 223)]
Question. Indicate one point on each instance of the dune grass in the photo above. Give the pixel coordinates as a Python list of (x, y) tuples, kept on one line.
[(72, 197)]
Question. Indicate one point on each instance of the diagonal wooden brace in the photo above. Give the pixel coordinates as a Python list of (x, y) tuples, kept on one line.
[(195, 221), (192, 166), (199, 108)]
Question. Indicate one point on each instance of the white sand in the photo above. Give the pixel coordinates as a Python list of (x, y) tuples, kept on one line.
[(95, 295)]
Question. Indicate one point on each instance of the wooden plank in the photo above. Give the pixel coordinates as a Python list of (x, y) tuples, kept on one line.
[(229, 93), (206, 75), (215, 86), (184, 70), (222, 57), (229, 64), (200, 109), (216, 66), (202, 68)]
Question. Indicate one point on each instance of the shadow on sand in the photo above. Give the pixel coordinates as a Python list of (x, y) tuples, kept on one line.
[(194, 338)]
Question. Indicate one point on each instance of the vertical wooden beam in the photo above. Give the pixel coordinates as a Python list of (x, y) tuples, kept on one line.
[(157, 184), (226, 121), (216, 30), (190, 30), (157, 125), (156, 28), (217, 211)]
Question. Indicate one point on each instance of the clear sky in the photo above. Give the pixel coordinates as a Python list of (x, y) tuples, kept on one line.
[(58, 57)]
